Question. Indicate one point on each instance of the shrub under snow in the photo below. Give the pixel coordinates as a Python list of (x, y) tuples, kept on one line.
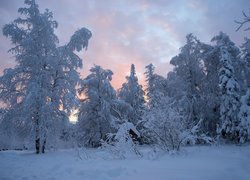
[(122, 144)]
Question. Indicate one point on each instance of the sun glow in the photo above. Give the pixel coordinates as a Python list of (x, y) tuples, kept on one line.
[(73, 116)]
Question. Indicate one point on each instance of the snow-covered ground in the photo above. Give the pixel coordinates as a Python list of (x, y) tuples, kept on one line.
[(199, 162)]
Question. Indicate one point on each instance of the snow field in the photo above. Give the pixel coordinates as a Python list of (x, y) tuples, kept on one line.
[(199, 162)]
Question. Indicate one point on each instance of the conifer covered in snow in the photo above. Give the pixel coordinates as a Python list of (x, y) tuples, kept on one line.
[(189, 71), (244, 117), (229, 88), (150, 82), (155, 87), (39, 91), (133, 94), (95, 118)]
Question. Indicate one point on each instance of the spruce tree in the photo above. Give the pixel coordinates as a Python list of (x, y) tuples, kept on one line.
[(133, 94), (95, 118), (244, 117), (229, 88)]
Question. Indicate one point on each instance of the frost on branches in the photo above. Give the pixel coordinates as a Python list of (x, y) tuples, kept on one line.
[(229, 99), (122, 144), (39, 92), (188, 68), (133, 94), (228, 55), (244, 116), (166, 126), (245, 48), (95, 118)]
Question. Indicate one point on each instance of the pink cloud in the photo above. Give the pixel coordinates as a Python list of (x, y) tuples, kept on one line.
[(139, 32)]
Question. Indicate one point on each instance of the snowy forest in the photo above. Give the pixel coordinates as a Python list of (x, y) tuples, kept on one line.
[(203, 101)]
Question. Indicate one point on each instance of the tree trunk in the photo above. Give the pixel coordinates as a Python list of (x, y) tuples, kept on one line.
[(37, 135), (43, 146), (37, 145)]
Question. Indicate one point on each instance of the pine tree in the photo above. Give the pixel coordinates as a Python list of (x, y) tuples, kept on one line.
[(133, 94)]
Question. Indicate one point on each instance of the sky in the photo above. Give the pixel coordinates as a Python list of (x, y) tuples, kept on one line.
[(132, 31)]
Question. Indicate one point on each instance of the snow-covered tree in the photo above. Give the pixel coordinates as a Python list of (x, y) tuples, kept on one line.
[(95, 118), (133, 94), (149, 79), (166, 126), (210, 91), (244, 116), (245, 57), (39, 91), (229, 88), (155, 87), (188, 68), (65, 75), (25, 88), (121, 144)]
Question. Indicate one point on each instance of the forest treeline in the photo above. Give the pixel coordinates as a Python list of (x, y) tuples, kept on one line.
[(204, 99)]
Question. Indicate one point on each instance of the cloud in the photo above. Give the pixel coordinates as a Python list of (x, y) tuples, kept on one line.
[(139, 32)]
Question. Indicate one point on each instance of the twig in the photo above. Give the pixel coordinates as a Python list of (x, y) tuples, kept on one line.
[(241, 23)]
